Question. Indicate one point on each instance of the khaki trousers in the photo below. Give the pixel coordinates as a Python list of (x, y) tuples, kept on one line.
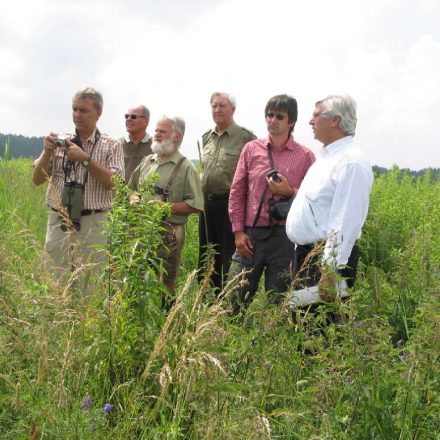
[(71, 250)]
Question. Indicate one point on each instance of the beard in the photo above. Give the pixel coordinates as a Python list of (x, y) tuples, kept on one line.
[(163, 148)]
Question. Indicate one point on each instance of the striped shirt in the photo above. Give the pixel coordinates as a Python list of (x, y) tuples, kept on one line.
[(249, 182), (108, 152)]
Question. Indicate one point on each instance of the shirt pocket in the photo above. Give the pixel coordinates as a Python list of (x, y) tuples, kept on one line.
[(208, 150), (228, 160)]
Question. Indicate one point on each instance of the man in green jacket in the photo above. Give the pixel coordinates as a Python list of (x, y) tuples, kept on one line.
[(222, 146)]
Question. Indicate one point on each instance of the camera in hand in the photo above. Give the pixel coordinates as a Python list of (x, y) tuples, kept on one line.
[(60, 141), (72, 200), (273, 174)]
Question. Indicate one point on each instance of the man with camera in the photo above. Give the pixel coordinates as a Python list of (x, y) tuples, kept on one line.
[(222, 146), (268, 174), (332, 204), (137, 143), (80, 170)]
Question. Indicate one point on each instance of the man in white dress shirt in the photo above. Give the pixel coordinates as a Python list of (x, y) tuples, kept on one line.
[(332, 202)]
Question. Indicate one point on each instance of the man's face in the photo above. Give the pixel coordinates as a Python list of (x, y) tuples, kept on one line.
[(278, 123), (222, 111), (135, 121), (321, 125), (85, 116), (165, 140)]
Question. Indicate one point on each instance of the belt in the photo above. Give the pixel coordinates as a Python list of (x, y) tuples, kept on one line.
[(84, 212), (210, 197), (266, 227)]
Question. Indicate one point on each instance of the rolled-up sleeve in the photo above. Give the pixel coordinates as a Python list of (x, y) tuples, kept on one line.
[(115, 159)]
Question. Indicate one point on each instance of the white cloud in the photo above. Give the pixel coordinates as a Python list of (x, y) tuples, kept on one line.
[(172, 55)]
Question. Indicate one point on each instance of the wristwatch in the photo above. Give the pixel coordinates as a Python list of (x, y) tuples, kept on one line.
[(85, 163)]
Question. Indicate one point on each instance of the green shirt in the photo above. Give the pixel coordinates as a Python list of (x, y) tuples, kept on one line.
[(184, 188), (220, 156), (133, 154)]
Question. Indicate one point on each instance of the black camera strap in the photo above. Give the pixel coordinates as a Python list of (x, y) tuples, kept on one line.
[(260, 205), (269, 153), (70, 166), (272, 167)]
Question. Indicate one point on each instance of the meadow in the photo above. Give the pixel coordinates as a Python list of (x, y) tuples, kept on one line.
[(110, 363)]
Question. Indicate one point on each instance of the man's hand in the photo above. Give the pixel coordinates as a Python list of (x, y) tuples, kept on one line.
[(243, 244), (49, 144), (327, 285), (134, 199), (281, 188), (75, 153), (40, 172)]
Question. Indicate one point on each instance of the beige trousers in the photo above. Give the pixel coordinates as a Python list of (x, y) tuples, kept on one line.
[(69, 251)]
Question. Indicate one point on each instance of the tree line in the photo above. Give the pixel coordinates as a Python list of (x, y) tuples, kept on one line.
[(30, 147), (21, 146)]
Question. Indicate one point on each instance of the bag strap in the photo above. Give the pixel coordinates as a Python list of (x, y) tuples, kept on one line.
[(269, 153), (166, 190), (272, 166)]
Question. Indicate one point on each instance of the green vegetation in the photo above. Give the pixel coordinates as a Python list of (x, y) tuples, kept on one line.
[(111, 364)]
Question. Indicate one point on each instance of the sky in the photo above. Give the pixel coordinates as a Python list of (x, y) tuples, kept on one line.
[(170, 55)]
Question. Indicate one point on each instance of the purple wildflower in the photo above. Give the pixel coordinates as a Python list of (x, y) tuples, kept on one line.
[(107, 407), (86, 403), (350, 381)]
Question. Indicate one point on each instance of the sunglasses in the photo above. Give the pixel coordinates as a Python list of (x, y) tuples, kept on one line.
[(278, 116), (133, 116)]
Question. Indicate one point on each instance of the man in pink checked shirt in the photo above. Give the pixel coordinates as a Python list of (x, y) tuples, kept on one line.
[(261, 241)]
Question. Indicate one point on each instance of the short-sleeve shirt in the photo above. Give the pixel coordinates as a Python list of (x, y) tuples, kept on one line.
[(133, 154), (184, 188), (105, 150), (220, 157)]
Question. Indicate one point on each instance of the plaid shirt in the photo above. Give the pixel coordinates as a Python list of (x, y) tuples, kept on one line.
[(249, 182), (108, 152)]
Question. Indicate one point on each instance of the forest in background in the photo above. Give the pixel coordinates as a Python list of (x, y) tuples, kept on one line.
[(30, 147)]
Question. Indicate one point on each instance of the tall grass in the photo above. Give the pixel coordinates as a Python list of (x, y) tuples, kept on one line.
[(194, 373)]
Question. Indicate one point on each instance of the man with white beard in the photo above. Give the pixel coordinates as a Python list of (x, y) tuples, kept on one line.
[(178, 184)]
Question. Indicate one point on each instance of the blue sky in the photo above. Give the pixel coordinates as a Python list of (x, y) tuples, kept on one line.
[(171, 56)]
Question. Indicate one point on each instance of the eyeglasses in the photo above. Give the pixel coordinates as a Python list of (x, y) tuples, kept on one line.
[(278, 116), (133, 116), (316, 114)]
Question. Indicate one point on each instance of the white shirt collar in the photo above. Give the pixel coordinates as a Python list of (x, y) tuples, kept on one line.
[(336, 146), (145, 139)]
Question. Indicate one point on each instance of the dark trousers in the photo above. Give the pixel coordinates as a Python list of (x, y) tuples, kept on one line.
[(215, 228), (273, 255), (310, 275)]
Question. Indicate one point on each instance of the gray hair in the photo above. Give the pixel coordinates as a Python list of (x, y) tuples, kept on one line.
[(178, 125), (230, 98), (94, 95), (343, 106), (144, 110)]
